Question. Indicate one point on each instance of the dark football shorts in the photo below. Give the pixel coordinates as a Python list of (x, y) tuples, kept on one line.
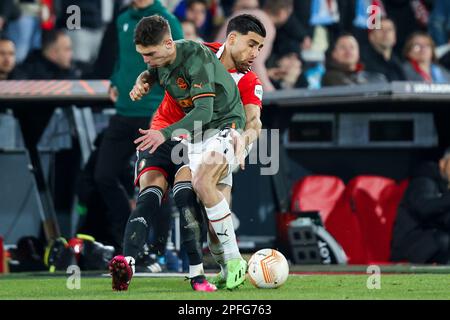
[(170, 157)]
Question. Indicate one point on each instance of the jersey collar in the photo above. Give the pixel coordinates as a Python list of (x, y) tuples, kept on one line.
[(178, 58)]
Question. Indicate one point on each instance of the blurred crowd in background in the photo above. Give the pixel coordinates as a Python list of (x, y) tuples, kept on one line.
[(310, 43)]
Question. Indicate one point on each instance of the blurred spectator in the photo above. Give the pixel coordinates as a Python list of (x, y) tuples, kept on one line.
[(197, 12), (439, 24), (420, 56), (87, 40), (170, 4), (274, 14), (8, 11), (54, 61), (409, 16), (421, 231), (379, 56), (287, 74), (190, 31), (8, 69), (315, 24), (363, 17), (296, 34), (26, 31), (344, 67), (117, 145), (245, 4)]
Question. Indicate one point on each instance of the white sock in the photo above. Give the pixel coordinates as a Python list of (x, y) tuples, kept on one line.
[(222, 223), (131, 263), (216, 251), (196, 270)]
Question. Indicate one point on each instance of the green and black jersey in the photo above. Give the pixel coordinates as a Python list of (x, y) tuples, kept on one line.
[(202, 86)]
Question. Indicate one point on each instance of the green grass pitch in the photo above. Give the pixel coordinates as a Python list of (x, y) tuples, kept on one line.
[(297, 287)]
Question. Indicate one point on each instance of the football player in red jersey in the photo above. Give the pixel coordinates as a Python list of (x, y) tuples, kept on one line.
[(245, 40)]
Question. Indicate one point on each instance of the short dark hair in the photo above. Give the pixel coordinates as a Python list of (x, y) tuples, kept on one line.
[(245, 23), (150, 31), (50, 37)]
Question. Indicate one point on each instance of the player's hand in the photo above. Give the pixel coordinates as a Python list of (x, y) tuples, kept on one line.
[(239, 148), (113, 94), (139, 90), (150, 139)]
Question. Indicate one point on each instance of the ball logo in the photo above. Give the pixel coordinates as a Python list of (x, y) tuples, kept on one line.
[(268, 269)]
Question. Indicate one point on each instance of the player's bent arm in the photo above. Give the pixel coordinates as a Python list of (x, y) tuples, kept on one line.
[(253, 125), (202, 112), (143, 84)]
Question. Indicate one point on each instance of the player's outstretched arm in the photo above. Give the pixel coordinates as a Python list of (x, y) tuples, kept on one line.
[(142, 86)]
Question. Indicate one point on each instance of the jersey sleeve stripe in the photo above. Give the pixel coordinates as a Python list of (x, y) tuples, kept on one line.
[(203, 95)]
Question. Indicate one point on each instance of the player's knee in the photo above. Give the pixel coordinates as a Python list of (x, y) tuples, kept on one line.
[(202, 184)]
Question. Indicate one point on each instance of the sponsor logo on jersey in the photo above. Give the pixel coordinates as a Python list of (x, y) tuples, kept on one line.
[(181, 83), (198, 86), (259, 91)]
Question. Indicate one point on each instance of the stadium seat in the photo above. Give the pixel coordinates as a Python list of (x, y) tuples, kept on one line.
[(359, 216), (375, 201), (317, 193), (390, 199), (343, 225)]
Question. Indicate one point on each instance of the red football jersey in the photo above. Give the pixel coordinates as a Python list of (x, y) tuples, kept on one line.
[(249, 85)]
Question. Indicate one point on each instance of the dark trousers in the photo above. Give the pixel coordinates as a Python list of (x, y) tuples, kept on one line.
[(115, 152)]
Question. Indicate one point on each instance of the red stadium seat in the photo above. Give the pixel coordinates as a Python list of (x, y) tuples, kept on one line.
[(355, 223), (375, 202), (390, 199), (360, 216), (317, 193), (343, 225)]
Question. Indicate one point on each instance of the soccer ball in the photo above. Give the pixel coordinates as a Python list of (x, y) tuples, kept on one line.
[(268, 269)]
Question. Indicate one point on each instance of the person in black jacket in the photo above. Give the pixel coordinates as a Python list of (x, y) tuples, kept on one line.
[(379, 56), (54, 61), (421, 231)]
